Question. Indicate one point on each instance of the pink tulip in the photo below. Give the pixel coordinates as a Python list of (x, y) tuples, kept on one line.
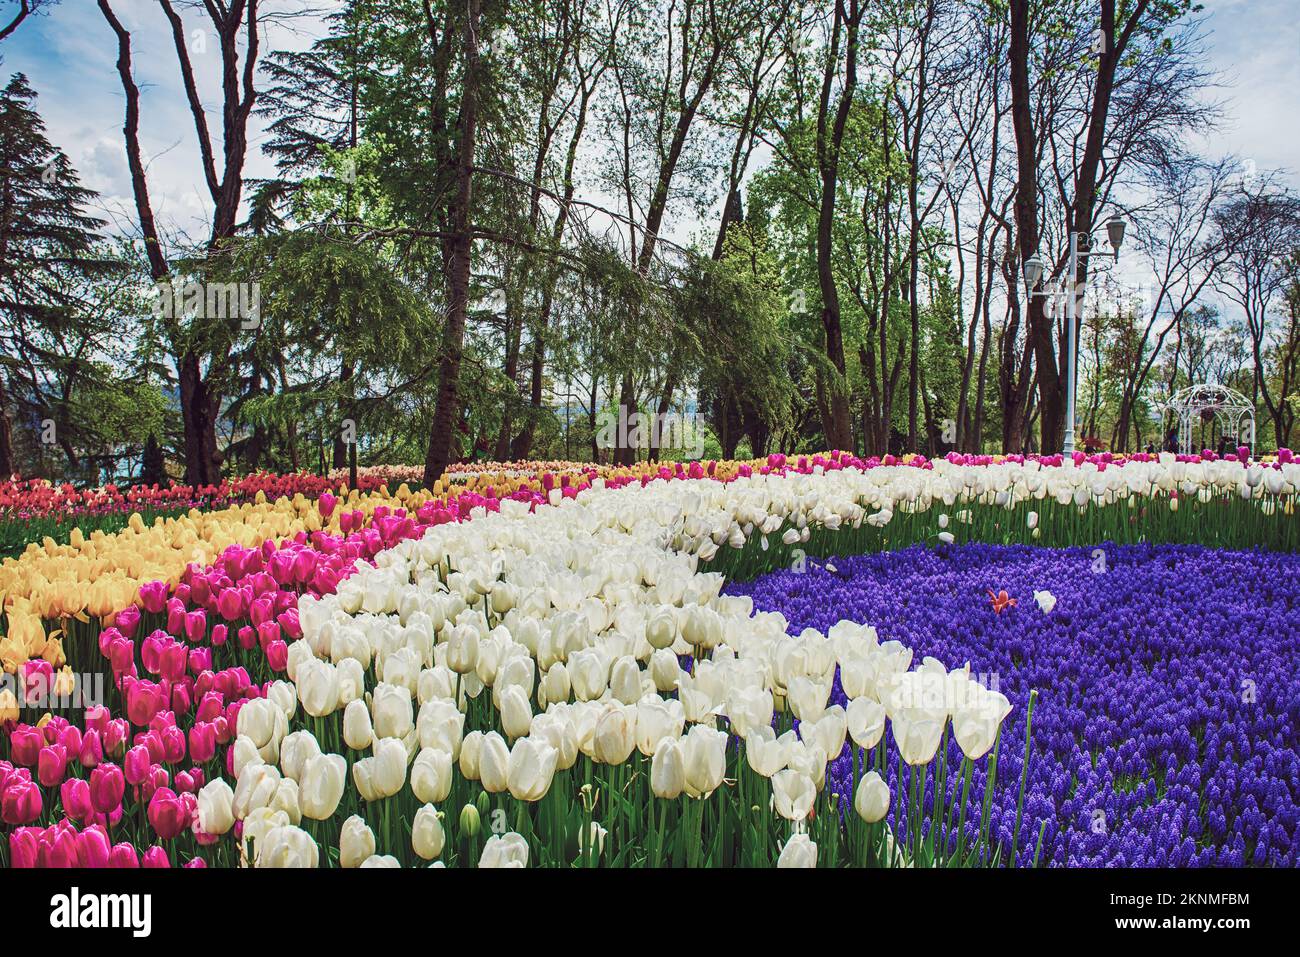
[(93, 848), (59, 846), (75, 795), (155, 857), (24, 847), (92, 749), (200, 660), (230, 604), (115, 734), (175, 616), (123, 855), (107, 785), (153, 595), (167, 813), (196, 625), (25, 743), (52, 765), (21, 802), (137, 764), (277, 656), (203, 742), (143, 701), (127, 620), (173, 744), (326, 504), (267, 632), (71, 738)]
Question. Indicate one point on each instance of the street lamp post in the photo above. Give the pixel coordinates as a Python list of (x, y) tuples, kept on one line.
[(1033, 272)]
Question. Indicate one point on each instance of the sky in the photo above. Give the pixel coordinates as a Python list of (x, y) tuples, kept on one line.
[(69, 57)]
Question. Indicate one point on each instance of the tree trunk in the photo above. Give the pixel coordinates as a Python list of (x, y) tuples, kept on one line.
[(6, 435), (199, 409), (1026, 217), (461, 246), (839, 433)]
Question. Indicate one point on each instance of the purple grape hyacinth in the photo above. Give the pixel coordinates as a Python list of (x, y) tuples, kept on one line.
[(1167, 724)]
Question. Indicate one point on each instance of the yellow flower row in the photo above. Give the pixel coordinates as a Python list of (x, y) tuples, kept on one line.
[(98, 574)]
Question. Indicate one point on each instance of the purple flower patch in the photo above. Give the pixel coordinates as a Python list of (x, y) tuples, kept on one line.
[(1167, 723)]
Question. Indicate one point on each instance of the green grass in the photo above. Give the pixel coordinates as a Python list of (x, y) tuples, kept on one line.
[(1227, 522)]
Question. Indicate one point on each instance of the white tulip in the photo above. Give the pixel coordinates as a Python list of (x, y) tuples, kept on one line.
[(668, 769), (866, 722), (872, 800), (216, 807), (356, 842), (516, 714), (391, 711), (322, 784), (287, 846), (794, 794), (431, 775), (799, 851), (358, 732), (427, 836), (494, 763), (507, 850), (530, 769)]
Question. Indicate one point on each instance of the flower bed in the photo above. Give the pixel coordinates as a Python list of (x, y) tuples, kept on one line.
[(1165, 728), (499, 668)]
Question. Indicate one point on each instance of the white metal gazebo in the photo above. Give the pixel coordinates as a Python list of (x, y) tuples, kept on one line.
[(1225, 412)]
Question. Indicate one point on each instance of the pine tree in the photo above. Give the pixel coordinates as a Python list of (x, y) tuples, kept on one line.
[(47, 252)]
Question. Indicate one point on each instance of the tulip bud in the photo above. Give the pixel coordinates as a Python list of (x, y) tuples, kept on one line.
[(469, 820)]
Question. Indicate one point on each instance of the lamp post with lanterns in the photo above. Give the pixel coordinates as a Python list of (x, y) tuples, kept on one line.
[(1033, 273)]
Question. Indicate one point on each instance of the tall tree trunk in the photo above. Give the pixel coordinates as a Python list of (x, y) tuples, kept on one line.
[(446, 411), (199, 409), (839, 434), (339, 454), (6, 435)]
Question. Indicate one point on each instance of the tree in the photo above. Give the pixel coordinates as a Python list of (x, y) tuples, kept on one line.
[(49, 254), (1261, 227), (200, 347)]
